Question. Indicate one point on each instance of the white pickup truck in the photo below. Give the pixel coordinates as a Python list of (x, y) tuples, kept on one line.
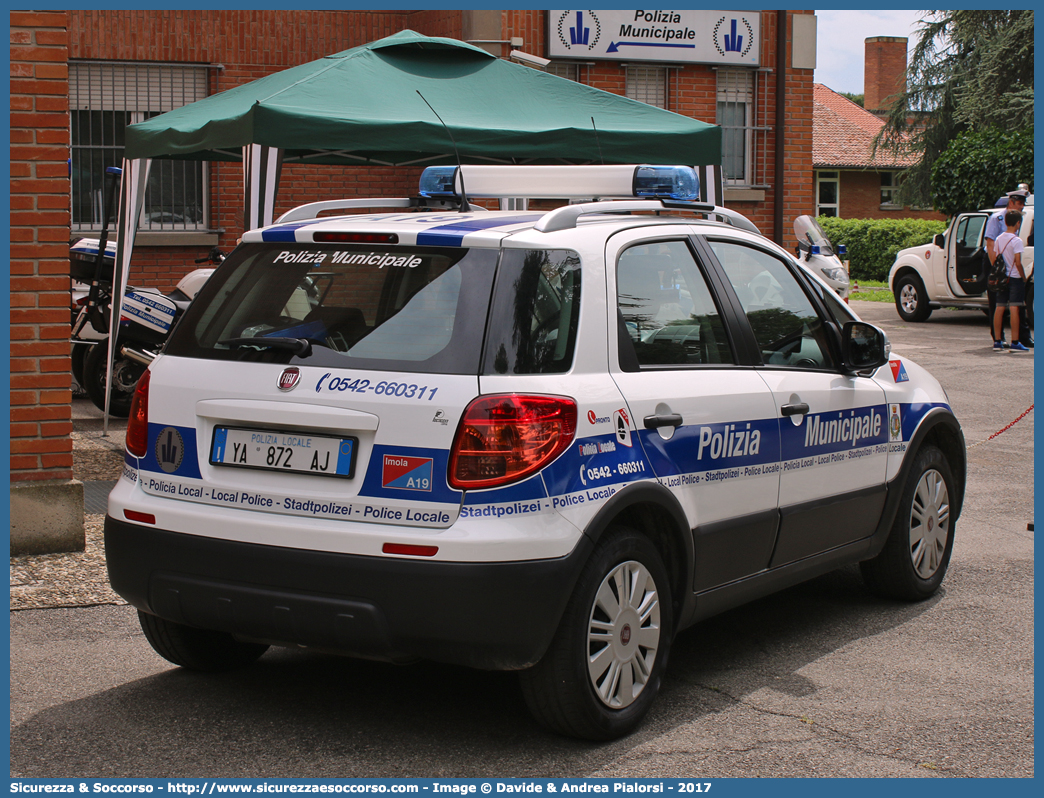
[(950, 271)]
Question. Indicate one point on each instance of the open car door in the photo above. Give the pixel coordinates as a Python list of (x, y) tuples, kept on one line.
[(968, 266)]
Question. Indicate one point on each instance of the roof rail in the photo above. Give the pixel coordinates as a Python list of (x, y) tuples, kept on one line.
[(566, 217), (313, 209), (728, 216)]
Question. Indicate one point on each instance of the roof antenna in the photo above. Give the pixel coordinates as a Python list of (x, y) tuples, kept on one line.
[(598, 141), (464, 206)]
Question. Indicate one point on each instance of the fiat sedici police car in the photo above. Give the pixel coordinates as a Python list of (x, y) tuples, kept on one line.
[(517, 440)]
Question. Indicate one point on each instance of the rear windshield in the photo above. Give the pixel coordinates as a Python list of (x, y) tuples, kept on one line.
[(412, 309), (391, 308)]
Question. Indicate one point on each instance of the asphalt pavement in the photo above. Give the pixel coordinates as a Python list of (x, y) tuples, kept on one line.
[(821, 680)]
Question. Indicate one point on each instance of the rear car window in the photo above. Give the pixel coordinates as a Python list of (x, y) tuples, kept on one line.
[(408, 309), (532, 329)]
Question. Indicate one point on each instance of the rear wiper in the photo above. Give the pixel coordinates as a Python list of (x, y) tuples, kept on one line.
[(301, 347)]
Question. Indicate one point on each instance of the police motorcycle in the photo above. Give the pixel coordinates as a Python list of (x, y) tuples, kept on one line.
[(818, 255), (146, 319)]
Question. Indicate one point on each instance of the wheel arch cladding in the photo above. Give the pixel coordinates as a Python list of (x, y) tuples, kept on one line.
[(652, 510), (938, 428), (907, 270)]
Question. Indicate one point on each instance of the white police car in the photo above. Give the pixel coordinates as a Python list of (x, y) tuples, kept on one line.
[(534, 441)]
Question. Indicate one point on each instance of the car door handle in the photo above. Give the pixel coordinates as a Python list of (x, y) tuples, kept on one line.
[(666, 420), (794, 409)]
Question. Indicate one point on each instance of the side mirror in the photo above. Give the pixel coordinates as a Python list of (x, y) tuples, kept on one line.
[(939, 241), (864, 347)]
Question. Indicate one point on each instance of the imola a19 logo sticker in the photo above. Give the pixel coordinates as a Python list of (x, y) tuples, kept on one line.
[(898, 371), (406, 473)]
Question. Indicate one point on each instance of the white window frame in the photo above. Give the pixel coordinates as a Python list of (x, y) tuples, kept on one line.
[(828, 176), (888, 191)]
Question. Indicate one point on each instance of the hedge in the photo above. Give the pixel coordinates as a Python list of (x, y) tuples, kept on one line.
[(873, 243)]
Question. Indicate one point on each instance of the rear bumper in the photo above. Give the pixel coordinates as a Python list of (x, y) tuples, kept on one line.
[(498, 616)]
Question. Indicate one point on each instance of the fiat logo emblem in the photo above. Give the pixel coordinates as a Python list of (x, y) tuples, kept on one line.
[(625, 634), (289, 378)]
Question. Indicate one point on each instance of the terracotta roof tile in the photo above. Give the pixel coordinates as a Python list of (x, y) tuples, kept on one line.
[(843, 134)]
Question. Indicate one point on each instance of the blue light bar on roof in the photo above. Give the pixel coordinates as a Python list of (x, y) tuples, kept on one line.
[(562, 182), (437, 181), (667, 182)]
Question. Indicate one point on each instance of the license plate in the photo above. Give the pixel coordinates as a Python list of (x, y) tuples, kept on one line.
[(284, 451)]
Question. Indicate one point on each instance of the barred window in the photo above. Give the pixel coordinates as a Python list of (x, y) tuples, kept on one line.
[(736, 117), (105, 97), (564, 69), (647, 84)]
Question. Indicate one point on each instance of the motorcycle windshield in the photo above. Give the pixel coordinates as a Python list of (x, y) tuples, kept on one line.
[(809, 233)]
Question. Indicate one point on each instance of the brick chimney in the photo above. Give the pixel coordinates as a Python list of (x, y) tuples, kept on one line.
[(884, 72)]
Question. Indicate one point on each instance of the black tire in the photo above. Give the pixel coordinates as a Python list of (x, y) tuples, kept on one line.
[(911, 300), (913, 562), (560, 690), (125, 374), (197, 649)]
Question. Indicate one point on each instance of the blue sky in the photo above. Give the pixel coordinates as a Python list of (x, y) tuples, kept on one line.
[(839, 42)]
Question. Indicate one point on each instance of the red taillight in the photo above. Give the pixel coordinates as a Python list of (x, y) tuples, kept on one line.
[(407, 548), (502, 439), (143, 518), (138, 422)]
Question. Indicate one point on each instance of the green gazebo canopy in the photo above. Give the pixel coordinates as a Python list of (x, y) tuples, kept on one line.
[(362, 106)]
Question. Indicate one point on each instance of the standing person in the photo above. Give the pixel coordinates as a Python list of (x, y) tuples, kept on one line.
[(1009, 248), (994, 228)]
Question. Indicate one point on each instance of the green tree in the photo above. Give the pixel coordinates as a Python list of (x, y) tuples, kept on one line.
[(856, 98), (970, 70), (979, 166)]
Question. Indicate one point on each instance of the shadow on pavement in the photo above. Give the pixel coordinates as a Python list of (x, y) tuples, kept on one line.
[(303, 714)]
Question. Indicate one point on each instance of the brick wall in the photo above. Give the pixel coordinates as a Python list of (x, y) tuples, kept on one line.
[(41, 417), (799, 189), (250, 45), (860, 198), (884, 71)]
